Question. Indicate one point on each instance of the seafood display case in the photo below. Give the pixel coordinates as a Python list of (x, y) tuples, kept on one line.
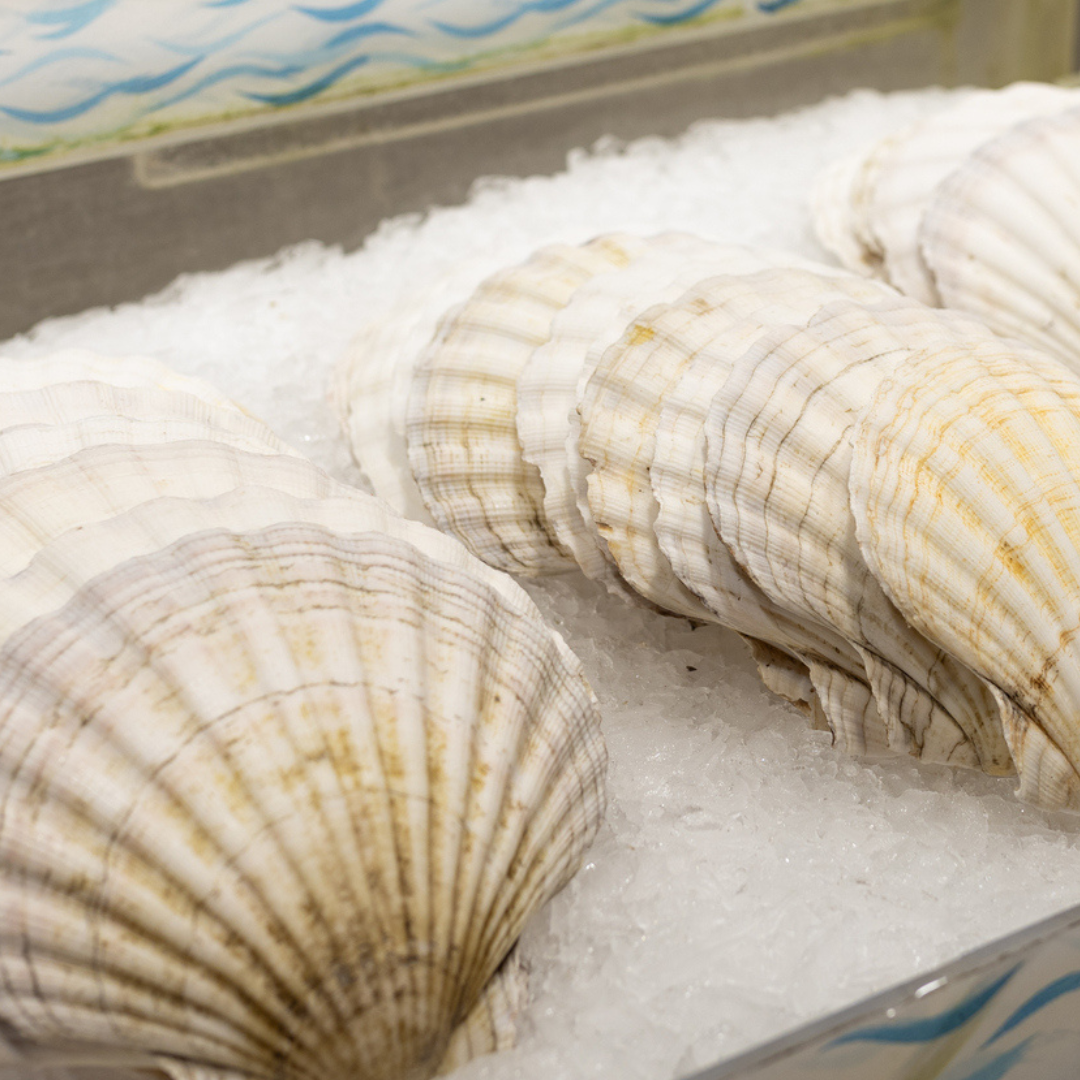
[(126, 159), (119, 171)]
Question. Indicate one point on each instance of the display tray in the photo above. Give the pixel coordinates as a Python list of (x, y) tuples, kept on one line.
[(1008, 1009), (117, 223)]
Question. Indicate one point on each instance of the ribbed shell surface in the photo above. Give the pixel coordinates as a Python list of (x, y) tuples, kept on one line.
[(82, 365), (925, 155), (838, 209), (312, 786), (282, 774), (778, 460), (461, 423), (621, 403), (968, 510), (83, 401), (1002, 234), (555, 378), (370, 389), (371, 393), (867, 208), (683, 529)]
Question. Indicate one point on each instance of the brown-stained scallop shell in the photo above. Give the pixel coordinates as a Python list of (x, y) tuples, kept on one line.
[(282, 773)]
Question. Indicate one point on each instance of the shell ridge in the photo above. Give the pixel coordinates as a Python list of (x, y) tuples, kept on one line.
[(150, 859), (1008, 209), (290, 686), (1047, 777), (916, 722), (541, 785), (491, 1025), (570, 766), (849, 705), (1005, 468), (789, 407), (511, 517)]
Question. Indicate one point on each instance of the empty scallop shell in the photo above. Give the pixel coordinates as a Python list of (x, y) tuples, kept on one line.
[(622, 400), (778, 442), (555, 376), (1002, 239), (318, 766), (370, 389), (728, 315), (968, 510), (879, 195), (461, 424)]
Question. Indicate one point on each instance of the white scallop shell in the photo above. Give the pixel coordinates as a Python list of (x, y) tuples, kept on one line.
[(778, 459), (370, 389), (839, 216), (560, 372), (318, 765), (461, 424), (929, 153), (554, 377), (740, 310), (968, 510), (1002, 239), (72, 365), (867, 208), (622, 400), (98, 482), (371, 393)]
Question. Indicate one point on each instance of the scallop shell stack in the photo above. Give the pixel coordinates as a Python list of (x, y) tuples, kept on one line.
[(705, 429), (973, 208), (283, 774)]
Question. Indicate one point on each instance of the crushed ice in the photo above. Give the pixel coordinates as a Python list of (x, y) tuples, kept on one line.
[(748, 878)]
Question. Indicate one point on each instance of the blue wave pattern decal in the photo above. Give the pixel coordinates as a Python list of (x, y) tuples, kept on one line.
[(84, 70), (927, 1029), (681, 16), (1066, 984), (1018, 1020), (341, 14), (70, 20), (998, 1067), (140, 85)]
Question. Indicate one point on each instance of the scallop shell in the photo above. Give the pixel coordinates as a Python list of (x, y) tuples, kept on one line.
[(932, 150), (119, 372), (318, 767), (370, 390), (778, 460), (1002, 239), (555, 375), (554, 378), (620, 413), (879, 196), (968, 510), (742, 309), (839, 207), (461, 422), (371, 395), (621, 403)]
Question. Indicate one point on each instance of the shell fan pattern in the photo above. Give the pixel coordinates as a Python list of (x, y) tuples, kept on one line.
[(973, 208), (283, 773), (744, 437)]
